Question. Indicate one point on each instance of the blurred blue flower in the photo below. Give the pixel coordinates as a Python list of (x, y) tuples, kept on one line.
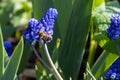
[(8, 46), (114, 71), (114, 28), (46, 25)]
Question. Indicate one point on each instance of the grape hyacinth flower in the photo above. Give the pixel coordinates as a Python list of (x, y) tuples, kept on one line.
[(113, 72), (8, 47), (42, 29), (114, 28)]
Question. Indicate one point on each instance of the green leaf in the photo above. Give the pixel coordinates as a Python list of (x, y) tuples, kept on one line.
[(103, 63), (14, 62), (105, 43), (25, 57), (40, 6), (73, 47), (109, 46), (1, 54), (6, 58), (100, 36), (64, 8)]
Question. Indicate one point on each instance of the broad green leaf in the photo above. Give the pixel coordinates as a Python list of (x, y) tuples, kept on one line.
[(14, 62), (40, 6), (109, 46), (64, 8), (1, 54), (106, 43), (103, 63), (6, 58), (100, 36), (73, 47), (25, 57)]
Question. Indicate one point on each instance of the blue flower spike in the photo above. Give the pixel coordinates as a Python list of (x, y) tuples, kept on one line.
[(114, 28), (8, 46), (42, 30), (113, 72), (30, 33)]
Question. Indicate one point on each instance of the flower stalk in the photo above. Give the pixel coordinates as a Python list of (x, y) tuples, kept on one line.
[(53, 69), (39, 58), (52, 66)]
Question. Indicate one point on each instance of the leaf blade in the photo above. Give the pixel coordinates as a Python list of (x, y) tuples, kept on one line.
[(72, 50), (14, 62), (40, 6), (103, 63), (64, 8), (1, 54)]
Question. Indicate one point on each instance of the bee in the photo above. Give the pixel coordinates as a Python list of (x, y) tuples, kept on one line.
[(44, 36)]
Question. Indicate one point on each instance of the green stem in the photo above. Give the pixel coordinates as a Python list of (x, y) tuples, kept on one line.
[(92, 50), (40, 59), (54, 70), (93, 46)]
